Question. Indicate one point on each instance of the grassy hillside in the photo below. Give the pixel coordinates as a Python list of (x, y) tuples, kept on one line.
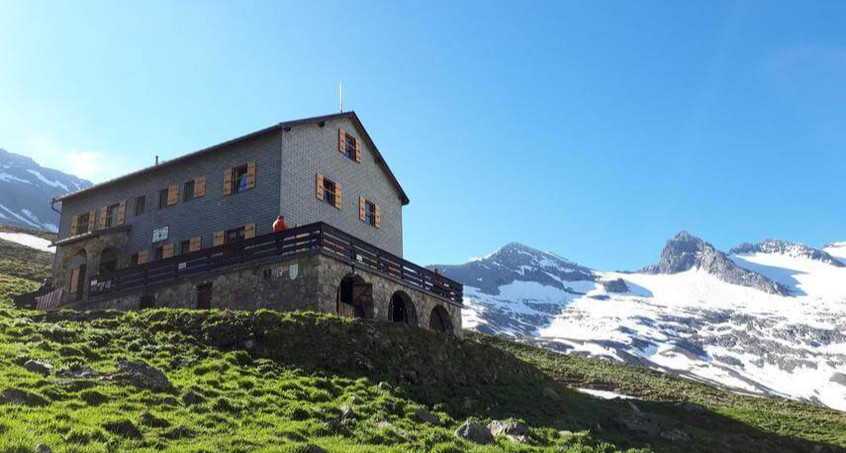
[(23, 262)]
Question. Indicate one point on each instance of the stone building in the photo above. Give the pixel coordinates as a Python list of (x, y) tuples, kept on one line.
[(196, 231)]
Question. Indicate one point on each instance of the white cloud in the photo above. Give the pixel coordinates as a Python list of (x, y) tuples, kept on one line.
[(94, 165)]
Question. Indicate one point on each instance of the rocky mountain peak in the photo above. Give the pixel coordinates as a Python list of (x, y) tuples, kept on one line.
[(794, 249)]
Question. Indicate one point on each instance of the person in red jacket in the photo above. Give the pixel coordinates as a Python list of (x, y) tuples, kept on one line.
[(279, 224)]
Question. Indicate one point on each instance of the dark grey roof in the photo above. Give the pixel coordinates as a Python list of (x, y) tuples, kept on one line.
[(281, 126)]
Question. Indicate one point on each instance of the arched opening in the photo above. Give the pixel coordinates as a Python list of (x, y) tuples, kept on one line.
[(401, 309), (77, 275), (355, 297), (440, 321), (108, 260)]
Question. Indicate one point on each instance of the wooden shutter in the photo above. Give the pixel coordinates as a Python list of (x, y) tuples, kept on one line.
[(378, 215), (319, 187), (358, 150), (362, 209), (227, 182), (74, 225), (337, 195), (249, 231), (199, 186), (142, 256), (342, 140), (251, 175), (104, 214), (195, 244), (173, 195), (74, 281), (167, 251), (218, 238), (121, 213), (92, 216)]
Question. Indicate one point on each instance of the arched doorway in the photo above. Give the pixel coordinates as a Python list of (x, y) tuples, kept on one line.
[(401, 309), (355, 297), (77, 275), (440, 321), (108, 260)]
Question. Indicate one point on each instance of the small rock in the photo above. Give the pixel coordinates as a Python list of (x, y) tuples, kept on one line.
[(384, 386), (144, 376), (475, 432), (383, 425), (639, 423), (549, 392), (15, 396), (192, 398), (41, 448), (123, 428), (508, 428), (37, 366), (83, 372), (693, 408), (675, 435), (250, 344), (424, 416), (346, 412)]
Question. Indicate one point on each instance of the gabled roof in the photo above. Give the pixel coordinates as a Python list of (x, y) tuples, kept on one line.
[(281, 126)]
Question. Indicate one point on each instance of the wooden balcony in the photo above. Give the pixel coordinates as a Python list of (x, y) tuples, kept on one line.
[(271, 248)]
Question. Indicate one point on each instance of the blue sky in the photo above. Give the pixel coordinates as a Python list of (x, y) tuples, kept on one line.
[(596, 130)]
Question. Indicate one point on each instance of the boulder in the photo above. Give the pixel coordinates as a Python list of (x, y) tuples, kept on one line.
[(15, 396), (675, 435), (475, 432), (123, 428), (512, 430), (384, 386), (83, 372), (191, 398), (148, 419), (38, 366), (144, 376), (423, 416), (693, 408)]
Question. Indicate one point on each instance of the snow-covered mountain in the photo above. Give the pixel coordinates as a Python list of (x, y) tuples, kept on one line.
[(767, 318), (26, 189)]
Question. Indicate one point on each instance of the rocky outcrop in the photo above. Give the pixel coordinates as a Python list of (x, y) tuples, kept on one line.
[(144, 376), (475, 432), (685, 252), (793, 249)]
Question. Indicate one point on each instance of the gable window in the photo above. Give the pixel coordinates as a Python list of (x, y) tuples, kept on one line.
[(349, 146), (163, 198), (329, 191), (370, 212), (140, 203), (234, 235), (188, 191), (112, 215)]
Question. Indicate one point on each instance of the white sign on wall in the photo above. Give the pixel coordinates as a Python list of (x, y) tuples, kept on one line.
[(160, 234)]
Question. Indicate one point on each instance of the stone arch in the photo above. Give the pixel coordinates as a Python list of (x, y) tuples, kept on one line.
[(355, 297), (401, 308), (108, 260), (440, 320)]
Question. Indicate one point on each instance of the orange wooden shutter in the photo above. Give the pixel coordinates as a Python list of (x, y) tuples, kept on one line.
[(319, 187), (104, 214), (142, 256), (172, 195), (74, 225), (358, 150), (195, 244), (199, 186), (378, 215), (218, 238), (338, 195), (92, 216), (251, 175), (121, 213), (342, 140), (227, 182), (362, 214), (167, 250), (74, 281), (249, 231)]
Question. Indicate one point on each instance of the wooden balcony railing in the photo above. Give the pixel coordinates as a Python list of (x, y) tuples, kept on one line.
[(271, 248)]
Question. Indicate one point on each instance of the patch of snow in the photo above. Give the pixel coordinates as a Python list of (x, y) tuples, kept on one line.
[(49, 182), (606, 394), (10, 177), (28, 240), (19, 217)]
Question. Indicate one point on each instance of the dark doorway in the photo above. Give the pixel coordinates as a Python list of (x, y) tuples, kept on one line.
[(440, 320), (355, 298), (204, 296), (401, 309), (147, 301), (108, 260)]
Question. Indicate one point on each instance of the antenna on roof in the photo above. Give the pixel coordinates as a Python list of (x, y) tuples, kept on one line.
[(157, 159), (341, 96)]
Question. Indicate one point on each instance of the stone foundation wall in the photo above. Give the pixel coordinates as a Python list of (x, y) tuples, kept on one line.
[(304, 282)]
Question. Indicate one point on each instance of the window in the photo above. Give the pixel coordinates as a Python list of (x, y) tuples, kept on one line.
[(184, 247), (82, 221), (163, 198), (159, 253), (328, 191), (133, 260), (370, 213), (349, 146), (139, 205), (239, 179), (234, 235), (188, 191), (112, 215)]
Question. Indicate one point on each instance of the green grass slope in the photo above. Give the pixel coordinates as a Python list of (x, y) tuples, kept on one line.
[(23, 262), (270, 382)]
